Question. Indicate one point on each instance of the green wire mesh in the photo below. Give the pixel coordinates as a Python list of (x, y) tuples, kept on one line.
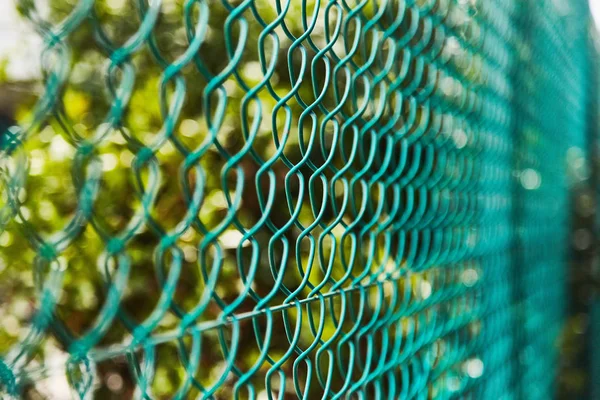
[(285, 198)]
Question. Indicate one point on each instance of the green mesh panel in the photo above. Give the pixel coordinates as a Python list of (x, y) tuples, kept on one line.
[(281, 199)]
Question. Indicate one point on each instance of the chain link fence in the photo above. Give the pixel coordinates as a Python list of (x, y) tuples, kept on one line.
[(298, 199)]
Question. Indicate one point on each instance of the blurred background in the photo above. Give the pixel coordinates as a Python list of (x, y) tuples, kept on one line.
[(84, 110)]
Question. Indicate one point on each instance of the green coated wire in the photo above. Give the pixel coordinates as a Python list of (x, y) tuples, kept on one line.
[(412, 198)]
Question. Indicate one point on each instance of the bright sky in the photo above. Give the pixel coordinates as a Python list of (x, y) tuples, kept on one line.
[(595, 7), (19, 42)]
